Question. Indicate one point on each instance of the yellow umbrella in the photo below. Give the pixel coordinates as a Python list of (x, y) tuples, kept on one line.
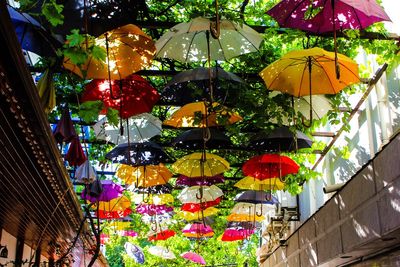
[(198, 114), (198, 235), (200, 164), (245, 218), (144, 176), (198, 215), (129, 50), (251, 183), (116, 204), (152, 199), (118, 225)]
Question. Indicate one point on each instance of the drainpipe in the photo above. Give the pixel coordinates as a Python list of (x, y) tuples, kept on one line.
[(384, 109)]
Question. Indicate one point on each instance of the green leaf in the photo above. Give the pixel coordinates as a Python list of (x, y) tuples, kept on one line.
[(77, 56), (52, 11), (90, 110), (113, 116), (75, 39), (99, 53)]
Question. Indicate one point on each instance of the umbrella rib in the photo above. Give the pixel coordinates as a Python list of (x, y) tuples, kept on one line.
[(191, 42), (291, 12), (302, 78), (358, 19), (330, 81), (245, 38)]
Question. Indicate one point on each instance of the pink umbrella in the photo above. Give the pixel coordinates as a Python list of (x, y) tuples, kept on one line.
[(195, 228), (151, 209), (110, 191), (234, 234), (127, 233), (193, 257)]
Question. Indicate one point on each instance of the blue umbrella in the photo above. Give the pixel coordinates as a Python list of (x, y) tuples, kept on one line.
[(134, 252), (31, 35)]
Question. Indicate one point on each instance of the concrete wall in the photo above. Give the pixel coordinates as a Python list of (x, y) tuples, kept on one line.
[(363, 218)]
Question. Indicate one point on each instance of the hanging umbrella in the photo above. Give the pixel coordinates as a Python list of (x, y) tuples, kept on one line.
[(104, 238), (110, 191), (197, 235), (152, 199), (256, 197), (188, 42), (151, 209), (197, 228), (134, 252), (194, 195), (130, 96), (194, 139), (120, 225), (192, 181), (114, 214), (65, 130), (194, 207), (269, 166), (251, 218), (252, 183), (199, 115), (200, 165), (141, 128), (144, 176), (137, 154), (280, 140), (127, 233), (161, 252), (251, 209), (235, 234), (194, 257), (244, 225), (129, 50), (116, 204), (75, 154), (198, 215), (157, 189), (193, 85), (163, 235), (319, 105), (85, 173)]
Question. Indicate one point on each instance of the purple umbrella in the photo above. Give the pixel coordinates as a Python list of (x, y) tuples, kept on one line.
[(111, 190), (151, 209), (192, 181)]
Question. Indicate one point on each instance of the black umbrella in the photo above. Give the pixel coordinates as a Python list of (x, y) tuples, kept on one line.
[(194, 138), (193, 85), (256, 197), (280, 139), (157, 189), (137, 154)]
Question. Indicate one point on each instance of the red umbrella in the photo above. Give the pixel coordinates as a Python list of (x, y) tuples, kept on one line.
[(163, 235), (234, 234), (194, 207), (104, 238), (64, 131), (75, 155), (114, 214), (269, 166), (130, 96)]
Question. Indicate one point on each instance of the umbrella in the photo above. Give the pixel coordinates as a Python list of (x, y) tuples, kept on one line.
[(280, 139), (198, 114), (269, 166), (110, 191), (253, 218), (157, 189), (200, 194), (141, 128), (137, 154), (151, 209), (65, 130), (161, 252), (194, 207), (144, 176), (193, 85), (200, 165), (31, 35), (196, 138), (319, 105), (152, 199), (85, 173), (104, 238), (198, 235), (197, 228), (252, 183), (190, 42), (134, 252), (251, 209), (163, 235), (120, 225), (129, 50), (256, 197), (114, 214), (75, 155), (194, 257), (127, 233), (191, 181), (234, 234), (198, 215), (116, 204), (130, 96)]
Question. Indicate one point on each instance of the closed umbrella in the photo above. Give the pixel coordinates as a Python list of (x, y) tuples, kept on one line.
[(134, 252), (161, 252), (85, 173)]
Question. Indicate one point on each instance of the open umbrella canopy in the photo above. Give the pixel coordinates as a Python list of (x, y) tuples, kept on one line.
[(127, 233), (198, 215), (159, 199), (256, 197), (137, 154), (194, 257), (130, 96), (161, 252), (194, 207), (200, 194), (134, 252), (245, 218), (347, 14), (199, 114), (144, 176), (198, 228), (192, 181), (120, 225), (141, 128), (116, 204), (151, 209), (235, 234), (280, 139), (197, 138), (251, 209), (200, 165), (110, 190), (114, 214), (269, 166), (188, 42), (252, 183), (296, 70), (157, 189), (129, 50), (194, 85), (163, 235)]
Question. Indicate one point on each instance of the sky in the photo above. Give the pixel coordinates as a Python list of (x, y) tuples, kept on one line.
[(392, 8)]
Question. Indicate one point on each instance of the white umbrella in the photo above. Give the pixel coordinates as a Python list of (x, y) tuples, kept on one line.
[(193, 194), (250, 208), (142, 127), (85, 173), (162, 252), (320, 106), (188, 42)]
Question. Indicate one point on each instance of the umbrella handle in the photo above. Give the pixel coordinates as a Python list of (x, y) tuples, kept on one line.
[(215, 25), (200, 196), (261, 211)]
